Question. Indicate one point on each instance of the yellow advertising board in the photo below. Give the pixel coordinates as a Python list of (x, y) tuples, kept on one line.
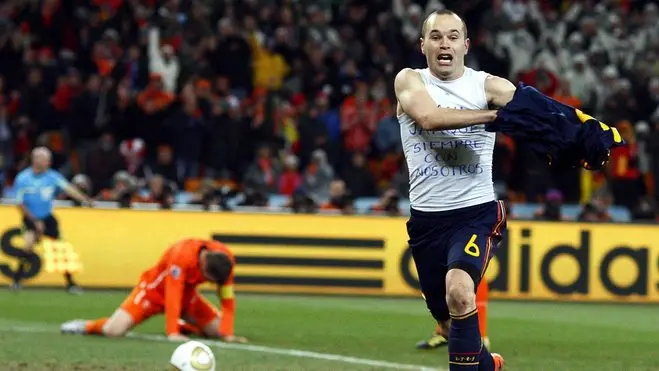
[(350, 255), (288, 253), (573, 261)]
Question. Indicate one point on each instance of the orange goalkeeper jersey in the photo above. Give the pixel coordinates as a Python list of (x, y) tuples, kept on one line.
[(176, 276)]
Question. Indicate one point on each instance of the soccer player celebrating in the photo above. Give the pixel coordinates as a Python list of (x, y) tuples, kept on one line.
[(169, 287), (37, 187), (456, 222)]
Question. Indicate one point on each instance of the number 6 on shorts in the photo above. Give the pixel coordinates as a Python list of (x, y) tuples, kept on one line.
[(471, 248)]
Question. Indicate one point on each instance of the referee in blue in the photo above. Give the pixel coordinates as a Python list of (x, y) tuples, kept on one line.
[(37, 187)]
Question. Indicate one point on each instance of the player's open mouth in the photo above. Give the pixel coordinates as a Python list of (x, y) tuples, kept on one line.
[(445, 59)]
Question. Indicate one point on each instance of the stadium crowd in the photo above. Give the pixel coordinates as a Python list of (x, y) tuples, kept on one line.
[(142, 99)]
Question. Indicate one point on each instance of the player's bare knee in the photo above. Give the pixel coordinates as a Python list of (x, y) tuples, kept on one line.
[(118, 325), (460, 300), (29, 240), (114, 330), (460, 295)]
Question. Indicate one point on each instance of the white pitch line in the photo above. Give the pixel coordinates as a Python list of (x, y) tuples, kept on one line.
[(264, 349)]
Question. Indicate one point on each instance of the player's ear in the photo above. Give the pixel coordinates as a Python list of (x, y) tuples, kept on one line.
[(467, 45), (421, 45)]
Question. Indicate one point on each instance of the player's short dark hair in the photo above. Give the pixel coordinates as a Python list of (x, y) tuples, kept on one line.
[(218, 266), (424, 25)]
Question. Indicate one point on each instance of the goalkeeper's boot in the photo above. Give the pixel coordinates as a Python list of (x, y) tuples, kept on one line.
[(76, 327), (435, 341)]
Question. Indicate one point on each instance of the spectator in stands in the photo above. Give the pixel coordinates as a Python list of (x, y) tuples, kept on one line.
[(319, 129), (624, 174), (387, 134), (388, 204), (592, 212), (317, 177), (187, 127), (290, 180), (86, 122), (164, 166), (206, 195), (134, 68), (163, 61), (358, 177), (69, 88), (153, 101), (551, 210), (5, 136), (504, 153), (23, 132), (301, 77), (102, 162), (300, 203), (159, 192), (133, 152), (340, 198), (653, 152), (33, 98), (226, 128), (359, 118), (124, 113), (643, 130), (230, 55), (621, 105), (262, 176), (565, 96), (122, 192), (270, 67), (583, 82)]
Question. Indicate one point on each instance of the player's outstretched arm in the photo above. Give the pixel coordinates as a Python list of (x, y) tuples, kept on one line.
[(174, 286), (71, 189), (499, 91), (419, 105), (74, 192), (228, 303)]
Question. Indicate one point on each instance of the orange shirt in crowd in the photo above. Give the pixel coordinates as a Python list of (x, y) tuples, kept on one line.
[(622, 162)]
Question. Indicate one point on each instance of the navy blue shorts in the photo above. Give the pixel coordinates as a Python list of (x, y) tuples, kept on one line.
[(464, 238), (51, 226)]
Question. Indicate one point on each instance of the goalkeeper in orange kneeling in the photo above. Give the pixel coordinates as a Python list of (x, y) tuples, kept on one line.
[(440, 337), (170, 288)]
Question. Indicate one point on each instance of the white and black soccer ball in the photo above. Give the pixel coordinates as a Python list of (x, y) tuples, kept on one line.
[(193, 356)]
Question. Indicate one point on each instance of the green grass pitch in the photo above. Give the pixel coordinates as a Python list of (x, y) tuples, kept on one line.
[(531, 336)]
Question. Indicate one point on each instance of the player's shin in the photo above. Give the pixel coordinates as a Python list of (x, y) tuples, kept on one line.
[(69, 279), (27, 259), (18, 275), (464, 343)]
